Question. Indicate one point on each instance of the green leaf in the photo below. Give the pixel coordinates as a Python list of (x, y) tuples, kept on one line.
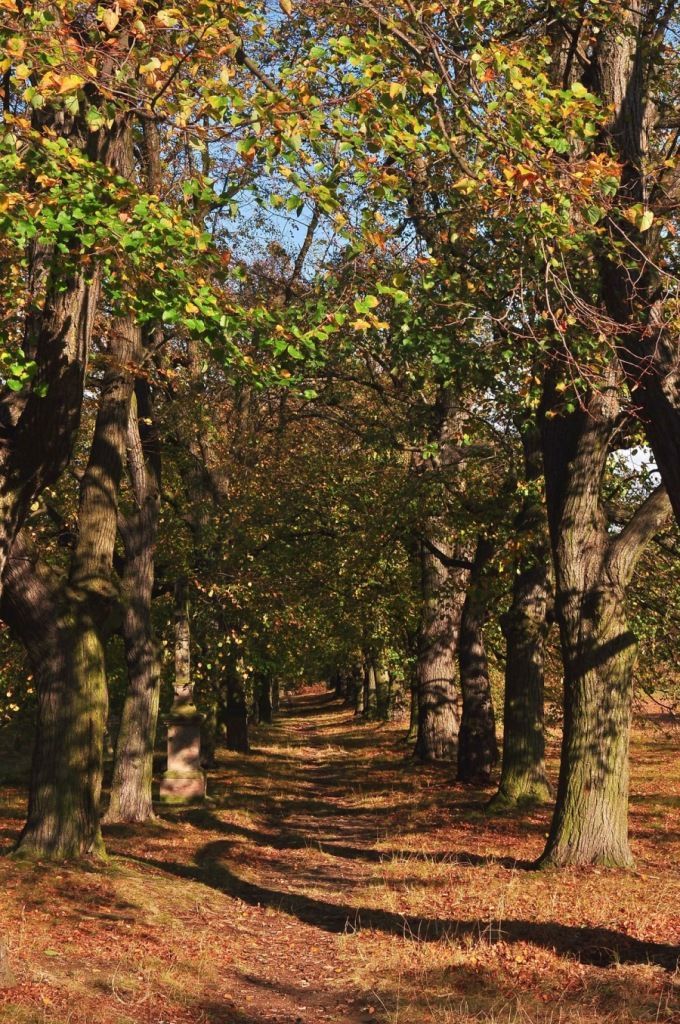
[(366, 304), (646, 220)]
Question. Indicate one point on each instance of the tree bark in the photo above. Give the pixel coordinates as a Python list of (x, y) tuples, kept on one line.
[(63, 819), (383, 693), (358, 691), (443, 596), (412, 734), (370, 691), (131, 785), (627, 68), (37, 427), (477, 748), (592, 571), (63, 805), (525, 626)]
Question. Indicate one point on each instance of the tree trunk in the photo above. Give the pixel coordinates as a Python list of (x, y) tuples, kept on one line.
[(63, 805), (627, 71), (358, 689), (592, 570), (370, 691), (383, 693), (340, 685), (525, 626), (523, 777), (625, 74), (477, 748), (209, 729), (131, 785), (590, 825), (264, 699), (236, 712), (443, 589), (64, 816), (412, 734), (37, 427)]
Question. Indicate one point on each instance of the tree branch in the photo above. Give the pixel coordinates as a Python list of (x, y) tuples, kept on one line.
[(626, 549)]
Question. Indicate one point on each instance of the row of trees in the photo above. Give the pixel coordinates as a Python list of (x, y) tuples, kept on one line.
[(370, 309)]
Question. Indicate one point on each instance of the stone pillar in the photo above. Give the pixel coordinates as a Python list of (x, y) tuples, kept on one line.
[(184, 780)]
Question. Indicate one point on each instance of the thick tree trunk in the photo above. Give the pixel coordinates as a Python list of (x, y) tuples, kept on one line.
[(443, 589), (590, 825), (523, 777), (63, 807), (37, 427), (592, 570), (131, 785), (477, 747), (626, 72), (70, 775), (625, 69), (525, 626), (132, 782)]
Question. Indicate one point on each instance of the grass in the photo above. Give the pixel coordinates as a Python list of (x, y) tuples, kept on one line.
[(333, 879)]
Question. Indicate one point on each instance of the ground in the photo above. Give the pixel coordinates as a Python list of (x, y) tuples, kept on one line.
[(331, 878)]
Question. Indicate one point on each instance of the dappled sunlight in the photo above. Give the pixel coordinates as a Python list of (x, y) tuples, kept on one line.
[(332, 878)]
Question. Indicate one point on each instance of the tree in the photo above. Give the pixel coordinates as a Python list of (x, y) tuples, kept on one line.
[(525, 626), (592, 573), (478, 748)]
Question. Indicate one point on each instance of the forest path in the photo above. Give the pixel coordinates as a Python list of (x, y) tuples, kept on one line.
[(331, 878)]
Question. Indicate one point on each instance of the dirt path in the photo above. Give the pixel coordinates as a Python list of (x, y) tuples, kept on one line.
[(331, 878)]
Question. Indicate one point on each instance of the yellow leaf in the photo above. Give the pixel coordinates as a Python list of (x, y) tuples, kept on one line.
[(167, 19), (286, 6), (396, 89), (110, 19), (466, 185), (70, 83), (191, 307), (151, 65), (16, 46), (361, 325)]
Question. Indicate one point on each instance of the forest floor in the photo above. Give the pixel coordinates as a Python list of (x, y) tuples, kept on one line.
[(331, 878)]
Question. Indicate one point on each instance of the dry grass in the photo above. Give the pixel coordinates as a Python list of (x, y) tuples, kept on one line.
[(332, 879)]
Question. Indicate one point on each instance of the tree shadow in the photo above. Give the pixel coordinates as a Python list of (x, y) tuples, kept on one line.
[(599, 947), (291, 840)]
